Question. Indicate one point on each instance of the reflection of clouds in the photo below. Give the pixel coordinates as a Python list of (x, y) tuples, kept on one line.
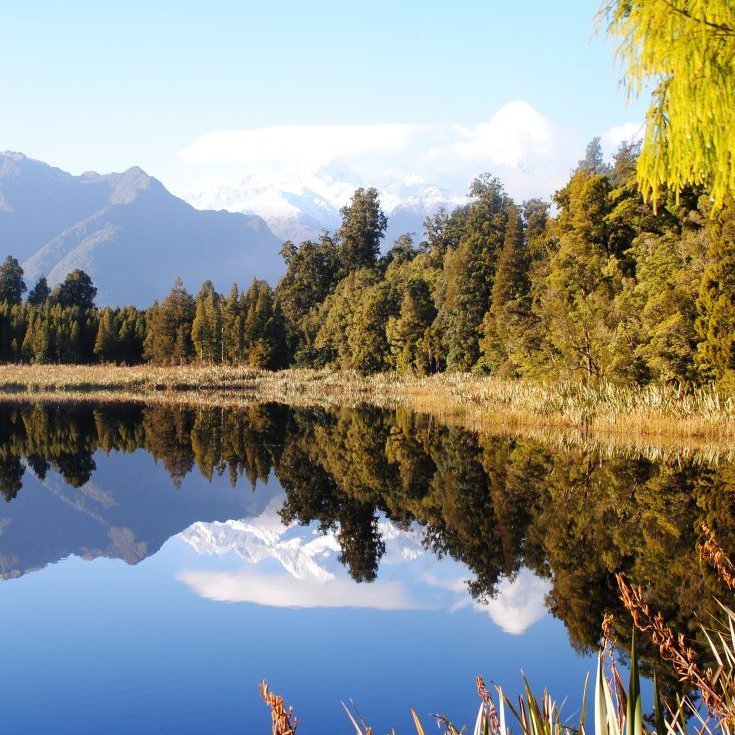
[(280, 590), (308, 572), (519, 603)]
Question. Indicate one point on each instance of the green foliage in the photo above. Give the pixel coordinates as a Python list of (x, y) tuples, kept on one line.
[(168, 340), (40, 293), (468, 273), (716, 304), (406, 332), (76, 289), (686, 49), (12, 285), (506, 321), (362, 229)]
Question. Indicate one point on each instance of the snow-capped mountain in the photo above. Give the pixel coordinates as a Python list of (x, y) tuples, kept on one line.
[(299, 206), (298, 566)]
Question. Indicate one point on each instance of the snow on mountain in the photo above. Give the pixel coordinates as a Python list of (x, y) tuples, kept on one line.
[(298, 566), (299, 206)]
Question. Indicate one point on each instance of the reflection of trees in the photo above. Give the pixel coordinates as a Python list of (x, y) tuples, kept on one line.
[(494, 503), (313, 493), (11, 477)]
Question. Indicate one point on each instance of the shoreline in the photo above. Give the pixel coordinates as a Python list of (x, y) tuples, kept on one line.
[(652, 418)]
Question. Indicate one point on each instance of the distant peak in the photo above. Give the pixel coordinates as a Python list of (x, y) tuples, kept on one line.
[(13, 155), (127, 185)]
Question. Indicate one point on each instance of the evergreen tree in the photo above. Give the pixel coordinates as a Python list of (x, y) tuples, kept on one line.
[(168, 338), (366, 336), (76, 289), (40, 293), (506, 322), (593, 160), (716, 324), (232, 326), (106, 346), (263, 327), (363, 227), (206, 330), (313, 270), (331, 345), (469, 271), (406, 333), (12, 285)]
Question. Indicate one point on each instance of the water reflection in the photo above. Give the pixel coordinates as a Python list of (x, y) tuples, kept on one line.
[(528, 521), (305, 572)]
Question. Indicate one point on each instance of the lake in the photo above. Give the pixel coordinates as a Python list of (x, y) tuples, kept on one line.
[(157, 562)]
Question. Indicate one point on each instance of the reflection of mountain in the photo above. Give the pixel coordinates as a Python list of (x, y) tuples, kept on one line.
[(128, 511), (494, 505), (307, 572)]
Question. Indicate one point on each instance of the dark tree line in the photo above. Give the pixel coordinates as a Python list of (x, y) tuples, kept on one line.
[(605, 287)]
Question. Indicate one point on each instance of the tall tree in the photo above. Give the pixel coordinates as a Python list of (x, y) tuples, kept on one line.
[(206, 330), (313, 270), (12, 286), (716, 324), (469, 271), (39, 293), (504, 324), (363, 227), (168, 339), (76, 289)]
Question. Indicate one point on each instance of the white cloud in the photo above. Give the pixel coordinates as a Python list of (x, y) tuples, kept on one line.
[(625, 133), (520, 603), (280, 590), (530, 155)]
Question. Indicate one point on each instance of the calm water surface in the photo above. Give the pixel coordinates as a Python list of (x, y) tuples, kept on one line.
[(157, 563)]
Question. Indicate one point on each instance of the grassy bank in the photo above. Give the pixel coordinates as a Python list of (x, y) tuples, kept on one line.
[(619, 417)]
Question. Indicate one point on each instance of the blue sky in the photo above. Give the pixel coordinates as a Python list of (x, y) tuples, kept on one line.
[(86, 85)]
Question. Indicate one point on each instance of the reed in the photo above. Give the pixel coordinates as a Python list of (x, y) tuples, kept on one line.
[(654, 419)]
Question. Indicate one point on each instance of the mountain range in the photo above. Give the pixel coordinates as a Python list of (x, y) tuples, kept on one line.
[(299, 206), (134, 238), (131, 235)]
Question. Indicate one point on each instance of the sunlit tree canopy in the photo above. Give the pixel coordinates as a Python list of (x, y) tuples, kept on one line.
[(686, 50)]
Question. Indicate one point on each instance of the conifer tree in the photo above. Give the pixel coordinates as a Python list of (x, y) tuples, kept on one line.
[(506, 321), (40, 293), (168, 338), (76, 289), (232, 326), (12, 285), (106, 342), (206, 330), (406, 333), (716, 304), (469, 271), (363, 227)]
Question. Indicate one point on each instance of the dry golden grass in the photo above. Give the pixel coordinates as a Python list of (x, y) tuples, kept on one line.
[(654, 419)]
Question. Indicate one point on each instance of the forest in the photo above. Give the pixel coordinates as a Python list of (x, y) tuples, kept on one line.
[(597, 285)]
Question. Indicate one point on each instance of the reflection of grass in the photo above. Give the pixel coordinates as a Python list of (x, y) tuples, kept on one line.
[(654, 417)]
